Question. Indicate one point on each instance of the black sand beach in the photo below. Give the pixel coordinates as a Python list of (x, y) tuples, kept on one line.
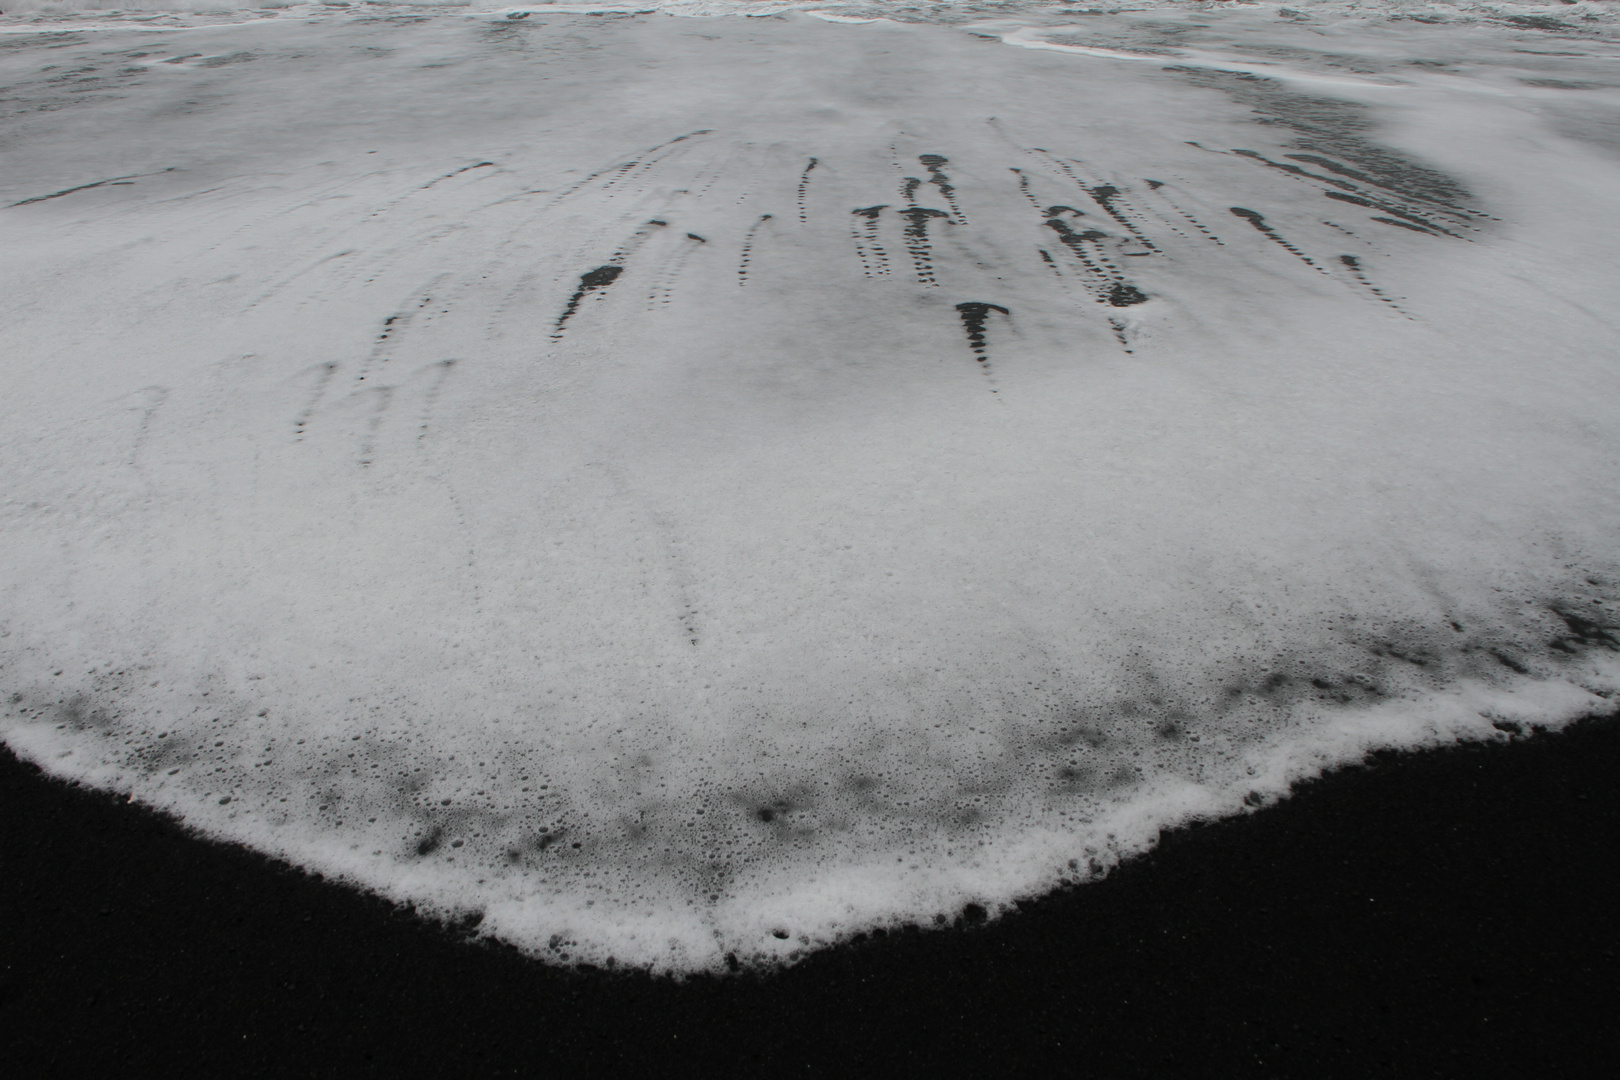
[(689, 487), (1441, 914)]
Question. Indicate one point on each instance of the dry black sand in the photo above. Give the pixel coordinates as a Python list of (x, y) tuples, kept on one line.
[(1447, 914)]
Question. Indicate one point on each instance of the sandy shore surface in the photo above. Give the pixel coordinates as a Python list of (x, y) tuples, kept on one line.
[(1447, 913)]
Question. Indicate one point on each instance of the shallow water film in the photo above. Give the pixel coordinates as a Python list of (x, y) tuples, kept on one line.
[(688, 485)]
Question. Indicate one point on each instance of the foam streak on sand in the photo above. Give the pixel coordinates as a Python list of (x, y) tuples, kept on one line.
[(692, 490)]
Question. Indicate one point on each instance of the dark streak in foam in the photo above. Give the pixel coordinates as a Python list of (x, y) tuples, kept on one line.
[(1023, 187), (1194, 222), (1104, 196), (284, 282), (652, 158), (974, 315), (1348, 192), (1293, 169), (621, 172), (894, 156), (637, 238), (155, 396), (1405, 225), (665, 287), (321, 383), (600, 278), (382, 396), (116, 181), (860, 247), (748, 249), (874, 259), (1509, 663), (688, 611), (1329, 128), (605, 275), (429, 401), (1154, 186), (1424, 224), (917, 243), (431, 398), (620, 169), (1114, 289), (1119, 327), (1266, 230), (1334, 167), (1125, 295), (393, 327), (1588, 631), (1353, 264), (936, 175), (804, 185), (69, 191), (1075, 242), (458, 172), (1063, 167)]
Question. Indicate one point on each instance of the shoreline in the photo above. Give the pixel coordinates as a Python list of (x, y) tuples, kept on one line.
[(617, 559), (1447, 910), (946, 385)]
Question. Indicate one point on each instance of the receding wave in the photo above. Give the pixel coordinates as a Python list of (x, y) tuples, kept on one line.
[(687, 493)]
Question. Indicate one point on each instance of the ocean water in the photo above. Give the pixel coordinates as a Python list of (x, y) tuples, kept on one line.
[(690, 483)]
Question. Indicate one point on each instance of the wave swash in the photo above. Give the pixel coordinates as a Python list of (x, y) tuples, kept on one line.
[(690, 490)]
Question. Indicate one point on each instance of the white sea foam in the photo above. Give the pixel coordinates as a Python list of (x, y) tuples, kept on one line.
[(688, 489), (1572, 14)]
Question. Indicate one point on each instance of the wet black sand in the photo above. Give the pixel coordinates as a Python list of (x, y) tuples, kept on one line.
[(1445, 914)]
